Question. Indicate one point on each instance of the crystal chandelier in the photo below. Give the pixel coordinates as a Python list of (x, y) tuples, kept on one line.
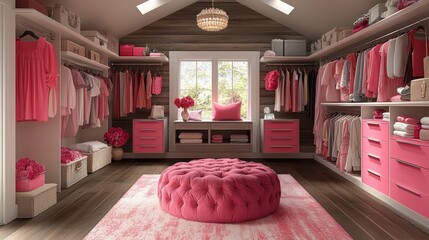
[(212, 19)]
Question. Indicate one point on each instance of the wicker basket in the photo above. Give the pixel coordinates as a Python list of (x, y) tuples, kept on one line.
[(31, 204), (73, 172), (99, 159)]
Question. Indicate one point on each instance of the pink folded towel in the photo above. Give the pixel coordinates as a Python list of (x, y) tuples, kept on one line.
[(190, 135), (407, 119), (239, 136), (191, 140), (425, 126)]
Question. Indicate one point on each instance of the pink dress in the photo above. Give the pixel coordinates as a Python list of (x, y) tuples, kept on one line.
[(36, 75), (288, 94), (344, 147), (68, 100), (373, 72)]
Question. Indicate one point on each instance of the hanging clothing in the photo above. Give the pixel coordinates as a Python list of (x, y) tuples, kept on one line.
[(374, 69), (36, 80), (68, 99), (288, 93), (80, 86), (141, 95), (353, 160), (149, 90), (157, 84), (277, 95), (319, 111)]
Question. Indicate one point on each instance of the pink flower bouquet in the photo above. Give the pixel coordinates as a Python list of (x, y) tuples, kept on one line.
[(117, 137), (28, 169), (184, 102)]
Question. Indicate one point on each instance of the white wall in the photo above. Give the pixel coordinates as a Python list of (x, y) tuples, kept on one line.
[(8, 209)]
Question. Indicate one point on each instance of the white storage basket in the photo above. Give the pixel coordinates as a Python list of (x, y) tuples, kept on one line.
[(99, 159), (73, 172), (31, 204)]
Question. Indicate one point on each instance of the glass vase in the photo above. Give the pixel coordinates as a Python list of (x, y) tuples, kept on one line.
[(185, 115)]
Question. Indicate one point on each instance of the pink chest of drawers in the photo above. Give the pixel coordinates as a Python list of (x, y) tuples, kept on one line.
[(281, 136), (148, 136), (409, 173), (375, 154)]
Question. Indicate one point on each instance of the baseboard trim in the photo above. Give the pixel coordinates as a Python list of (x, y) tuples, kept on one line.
[(173, 155), (406, 213)]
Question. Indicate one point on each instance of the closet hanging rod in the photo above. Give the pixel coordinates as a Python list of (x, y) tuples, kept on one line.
[(389, 35), (48, 34), (291, 64), (134, 64)]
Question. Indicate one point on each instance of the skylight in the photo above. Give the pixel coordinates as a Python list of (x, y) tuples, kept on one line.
[(151, 5), (279, 5)]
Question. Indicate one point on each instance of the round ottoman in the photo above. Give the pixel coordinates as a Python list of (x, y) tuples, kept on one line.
[(219, 190)]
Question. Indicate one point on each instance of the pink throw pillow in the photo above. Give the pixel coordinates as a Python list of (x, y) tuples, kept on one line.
[(226, 112)]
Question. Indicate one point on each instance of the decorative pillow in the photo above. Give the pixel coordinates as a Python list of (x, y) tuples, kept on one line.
[(89, 147), (196, 115), (226, 112)]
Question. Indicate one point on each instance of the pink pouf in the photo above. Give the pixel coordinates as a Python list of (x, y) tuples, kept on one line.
[(219, 190)]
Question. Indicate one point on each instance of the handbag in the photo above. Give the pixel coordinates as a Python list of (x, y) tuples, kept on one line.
[(157, 112)]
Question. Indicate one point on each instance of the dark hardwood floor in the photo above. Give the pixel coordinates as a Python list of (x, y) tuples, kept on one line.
[(81, 206)]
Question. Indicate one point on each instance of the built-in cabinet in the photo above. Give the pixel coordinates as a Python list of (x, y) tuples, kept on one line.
[(375, 154), (280, 136), (207, 130), (149, 136)]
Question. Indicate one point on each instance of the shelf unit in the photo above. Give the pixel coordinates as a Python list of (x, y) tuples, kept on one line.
[(208, 128), (50, 25), (410, 15), (82, 61), (141, 59)]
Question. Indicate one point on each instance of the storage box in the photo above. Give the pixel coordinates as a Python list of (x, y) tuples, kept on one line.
[(420, 89), (344, 34), (112, 43), (332, 37), (66, 17), (93, 55), (67, 45), (99, 159), (138, 51), (295, 48), (35, 4), (277, 46), (375, 13), (73, 172), (316, 46), (28, 185), (96, 37), (31, 204), (126, 50)]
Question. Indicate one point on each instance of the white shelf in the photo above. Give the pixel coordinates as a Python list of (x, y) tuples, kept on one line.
[(82, 61), (381, 104), (50, 25), (141, 59), (287, 59), (398, 20)]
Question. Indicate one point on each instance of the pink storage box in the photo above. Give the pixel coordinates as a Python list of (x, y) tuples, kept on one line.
[(138, 51), (35, 4), (126, 50), (29, 185)]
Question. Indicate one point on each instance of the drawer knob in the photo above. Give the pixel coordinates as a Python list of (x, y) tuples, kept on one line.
[(408, 190), (408, 164), (373, 156), (374, 173)]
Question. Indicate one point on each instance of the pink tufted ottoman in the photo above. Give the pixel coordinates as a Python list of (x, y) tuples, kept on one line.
[(219, 190)]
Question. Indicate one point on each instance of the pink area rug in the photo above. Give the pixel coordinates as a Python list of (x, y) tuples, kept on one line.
[(137, 215)]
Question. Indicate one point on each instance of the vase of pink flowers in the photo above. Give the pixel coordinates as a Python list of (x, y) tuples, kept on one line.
[(116, 137), (185, 103)]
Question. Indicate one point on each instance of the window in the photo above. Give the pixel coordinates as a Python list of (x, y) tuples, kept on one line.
[(230, 86), (221, 76)]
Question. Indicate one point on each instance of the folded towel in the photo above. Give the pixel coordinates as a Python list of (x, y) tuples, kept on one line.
[(217, 136), (425, 126), (404, 127), (239, 140), (217, 141), (424, 134), (190, 135), (407, 119), (386, 114), (424, 121), (403, 134), (244, 136), (191, 140)]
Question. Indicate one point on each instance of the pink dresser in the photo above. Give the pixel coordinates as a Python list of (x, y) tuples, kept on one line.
[(280, 136), (409, 173), (375, 154), (149, 136)]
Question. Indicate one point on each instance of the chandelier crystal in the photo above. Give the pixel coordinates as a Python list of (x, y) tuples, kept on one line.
[(212, 19)]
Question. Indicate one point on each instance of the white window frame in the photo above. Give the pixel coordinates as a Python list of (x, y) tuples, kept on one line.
[(251, 56)]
